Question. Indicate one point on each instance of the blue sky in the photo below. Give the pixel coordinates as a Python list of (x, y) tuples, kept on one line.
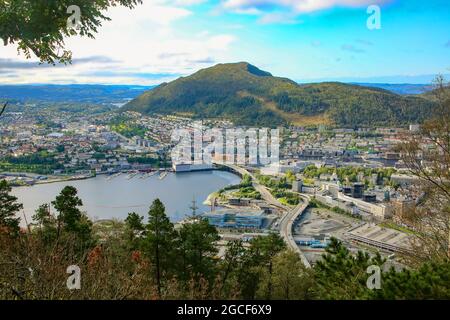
[(305, 40)]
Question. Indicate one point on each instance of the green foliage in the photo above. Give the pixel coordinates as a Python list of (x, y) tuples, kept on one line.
[(67, 203), (246, 182), (273, 183), (350, 173), (290, 279), (244, 94), (286, 197), (70, 219), (187, 263), (214, 93), (314, 203), (135, 222), (9, 207), (197, 250), (354, 107), (258, 264), (247, 192), (47, 224), (429, 281), (134, 229), (341, 275), (41, 162), (143, 160), (40, 26), (159, 239), (290, 177), (279, 188), (128, 130), (230, 268)]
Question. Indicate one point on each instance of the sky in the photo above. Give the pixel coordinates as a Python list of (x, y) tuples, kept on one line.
[(304, 40)]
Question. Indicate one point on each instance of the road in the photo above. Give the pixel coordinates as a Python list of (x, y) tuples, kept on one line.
[(287, 224), (266, 195), (289, 215)]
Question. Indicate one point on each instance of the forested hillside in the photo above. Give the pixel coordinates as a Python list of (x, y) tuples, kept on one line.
[(247, 95)]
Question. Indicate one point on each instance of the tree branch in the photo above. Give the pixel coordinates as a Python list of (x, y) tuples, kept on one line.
[(3, 109)]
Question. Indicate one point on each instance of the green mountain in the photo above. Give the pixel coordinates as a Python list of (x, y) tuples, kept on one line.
[(437, 94), (249, 96)]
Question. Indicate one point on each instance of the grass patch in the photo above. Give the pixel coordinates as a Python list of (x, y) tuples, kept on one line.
[(392, 225)]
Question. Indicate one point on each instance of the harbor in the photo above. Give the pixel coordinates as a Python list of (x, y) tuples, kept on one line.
[(114, 196)]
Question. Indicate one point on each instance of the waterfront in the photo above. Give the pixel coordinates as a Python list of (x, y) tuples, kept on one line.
[(105, 198)]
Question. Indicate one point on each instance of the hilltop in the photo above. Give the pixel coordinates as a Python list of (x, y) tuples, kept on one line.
[(249, 96)]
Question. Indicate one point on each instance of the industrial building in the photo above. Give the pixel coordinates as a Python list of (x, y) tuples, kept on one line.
[(382, 238), (352, 198), (236, 219), (404, 209), (297, 185)]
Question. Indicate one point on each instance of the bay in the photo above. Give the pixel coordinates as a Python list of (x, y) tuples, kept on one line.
[(105, 198)]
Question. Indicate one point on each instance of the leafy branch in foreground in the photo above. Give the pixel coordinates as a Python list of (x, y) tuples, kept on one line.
[(40, 26), (427, 156)]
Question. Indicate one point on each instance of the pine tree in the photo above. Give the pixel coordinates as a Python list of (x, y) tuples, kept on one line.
[(134, 229), (258, 260), (8, 210), (341, 275), (230, 266), (430, 281), (70, 219), (198, 249), (46, 223), (159, 241), (291, 280)]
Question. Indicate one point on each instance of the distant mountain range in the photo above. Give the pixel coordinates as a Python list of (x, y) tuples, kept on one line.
[(400, 88), (97, 94), (249, 96)]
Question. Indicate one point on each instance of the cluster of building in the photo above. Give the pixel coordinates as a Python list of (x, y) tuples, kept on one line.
[(75, 144), (374, 147), (236, 218)]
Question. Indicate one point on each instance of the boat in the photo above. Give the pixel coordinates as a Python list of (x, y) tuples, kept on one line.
[(163, 175), (113, 176), (151, 174), (131, 175)]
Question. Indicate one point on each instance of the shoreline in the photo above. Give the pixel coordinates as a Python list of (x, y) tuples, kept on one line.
[(79, 178), (69, 178), (102, 207)]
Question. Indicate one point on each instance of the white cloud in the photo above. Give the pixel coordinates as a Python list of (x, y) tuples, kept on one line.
[(299, 6), (279, 17), (220, 42), (146, 40), (188, 2), (286, 11)]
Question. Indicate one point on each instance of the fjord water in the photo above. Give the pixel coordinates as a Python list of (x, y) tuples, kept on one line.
[(115, 198)]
